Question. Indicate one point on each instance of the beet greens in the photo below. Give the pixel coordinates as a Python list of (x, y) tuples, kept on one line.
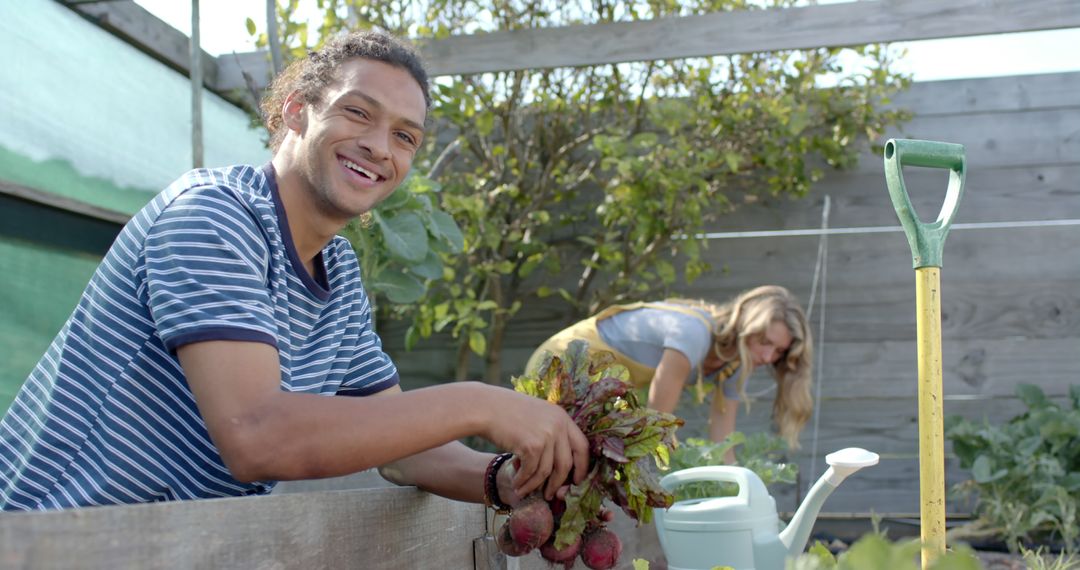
[(624, 436)]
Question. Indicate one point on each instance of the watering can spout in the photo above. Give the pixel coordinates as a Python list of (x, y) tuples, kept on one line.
[(841, 464)]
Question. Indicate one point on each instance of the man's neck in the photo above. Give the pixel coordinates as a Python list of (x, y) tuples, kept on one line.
[(310, 229)]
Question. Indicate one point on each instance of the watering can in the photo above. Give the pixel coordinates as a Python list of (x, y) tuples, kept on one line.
[(743, 531)]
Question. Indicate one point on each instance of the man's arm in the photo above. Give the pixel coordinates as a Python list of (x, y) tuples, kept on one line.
[(264, 433)]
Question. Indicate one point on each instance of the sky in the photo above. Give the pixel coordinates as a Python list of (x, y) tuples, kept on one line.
[(222, 30)]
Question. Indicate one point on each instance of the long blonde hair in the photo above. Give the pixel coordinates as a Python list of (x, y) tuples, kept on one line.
[(750, 313)]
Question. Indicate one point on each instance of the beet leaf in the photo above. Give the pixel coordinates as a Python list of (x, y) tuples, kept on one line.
[(625, 438)]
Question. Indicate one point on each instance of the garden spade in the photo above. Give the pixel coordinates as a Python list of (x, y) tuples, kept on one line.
[(926, 241)]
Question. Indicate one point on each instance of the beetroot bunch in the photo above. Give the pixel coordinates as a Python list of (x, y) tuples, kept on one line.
[(624, 437)]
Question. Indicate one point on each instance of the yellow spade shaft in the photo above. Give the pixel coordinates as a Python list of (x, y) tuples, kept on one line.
[(931, 424), (927, 242)]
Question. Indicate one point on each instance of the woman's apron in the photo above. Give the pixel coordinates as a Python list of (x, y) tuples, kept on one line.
[(640, 375)]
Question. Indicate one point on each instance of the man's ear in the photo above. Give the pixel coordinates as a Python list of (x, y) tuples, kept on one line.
[(293, 112)]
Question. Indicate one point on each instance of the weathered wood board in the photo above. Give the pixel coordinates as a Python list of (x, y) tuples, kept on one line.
[(389, 528)]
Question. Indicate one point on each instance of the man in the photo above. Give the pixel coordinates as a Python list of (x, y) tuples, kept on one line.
[(202, 357)]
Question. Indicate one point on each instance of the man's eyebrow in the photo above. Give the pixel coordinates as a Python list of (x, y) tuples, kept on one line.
[(380, 107)]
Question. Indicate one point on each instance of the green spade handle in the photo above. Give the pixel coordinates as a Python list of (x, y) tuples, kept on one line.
[(926, 240)]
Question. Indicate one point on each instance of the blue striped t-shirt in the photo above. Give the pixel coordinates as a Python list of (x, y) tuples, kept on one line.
[(107, 416), (643, 334)]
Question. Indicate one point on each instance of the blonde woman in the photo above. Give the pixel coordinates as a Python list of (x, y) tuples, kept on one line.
[(665, 345)]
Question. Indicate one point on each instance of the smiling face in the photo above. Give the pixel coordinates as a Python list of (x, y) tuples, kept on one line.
[(355, 145)]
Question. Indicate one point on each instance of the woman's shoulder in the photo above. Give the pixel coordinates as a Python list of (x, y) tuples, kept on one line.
[(681, 312)]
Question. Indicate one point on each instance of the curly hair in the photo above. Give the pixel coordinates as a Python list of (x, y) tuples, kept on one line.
[(750, 313), (310, 75)]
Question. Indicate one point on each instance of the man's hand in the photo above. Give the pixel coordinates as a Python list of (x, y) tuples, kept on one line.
[(505, 477), (546, 443)]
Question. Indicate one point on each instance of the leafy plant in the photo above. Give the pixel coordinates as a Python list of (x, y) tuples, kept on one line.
[(1038, 560), (871, 552), (401, 242), (760, 453), (599, 172), (1025, 474), (875, 552), (624, 436)]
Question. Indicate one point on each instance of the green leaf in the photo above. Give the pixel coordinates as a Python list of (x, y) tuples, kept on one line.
[(485, 123), (732, 159), (665, 270), (477, 342), (982, 470), (960, 559), (874, 551), (446, 228), (395, 201), (404, 235), (250, 26), (399, 287), (822, 552), (1031, 395), (430, 268), (411, 337)]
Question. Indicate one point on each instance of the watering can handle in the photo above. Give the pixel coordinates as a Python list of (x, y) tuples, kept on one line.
[(926, 240), (750, 485)]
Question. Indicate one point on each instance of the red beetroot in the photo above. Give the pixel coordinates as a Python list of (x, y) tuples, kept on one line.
[(558, 507), (565, 556), (600, 549), (532, 522), (506, 543)]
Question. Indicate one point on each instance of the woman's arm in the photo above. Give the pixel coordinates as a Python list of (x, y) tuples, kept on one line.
[(722, 415), (668, 380)]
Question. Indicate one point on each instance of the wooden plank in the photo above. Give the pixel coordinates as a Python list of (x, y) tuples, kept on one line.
[(246, 71), (871, 292), (147, 33), (377, 528), (971, 368), (891, 486), (991, 94), (861, 199), (722, 33), (369, 479), (65, 204), (871, 283), (995, 140), (995, 330)]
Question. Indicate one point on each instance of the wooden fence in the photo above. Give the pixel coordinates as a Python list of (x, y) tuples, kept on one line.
[(1010, 283)]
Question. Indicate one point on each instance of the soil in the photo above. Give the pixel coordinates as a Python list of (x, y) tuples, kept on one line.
[(1000, 560)]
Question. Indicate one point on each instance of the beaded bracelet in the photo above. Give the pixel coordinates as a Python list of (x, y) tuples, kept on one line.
[(491, 485)]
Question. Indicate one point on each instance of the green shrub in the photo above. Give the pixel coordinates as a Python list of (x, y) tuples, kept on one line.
[(871, 552), (1025, 474), (875, 552), (760, 453)]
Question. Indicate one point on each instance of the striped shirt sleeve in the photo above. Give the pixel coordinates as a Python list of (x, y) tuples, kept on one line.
[(206, 264)]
